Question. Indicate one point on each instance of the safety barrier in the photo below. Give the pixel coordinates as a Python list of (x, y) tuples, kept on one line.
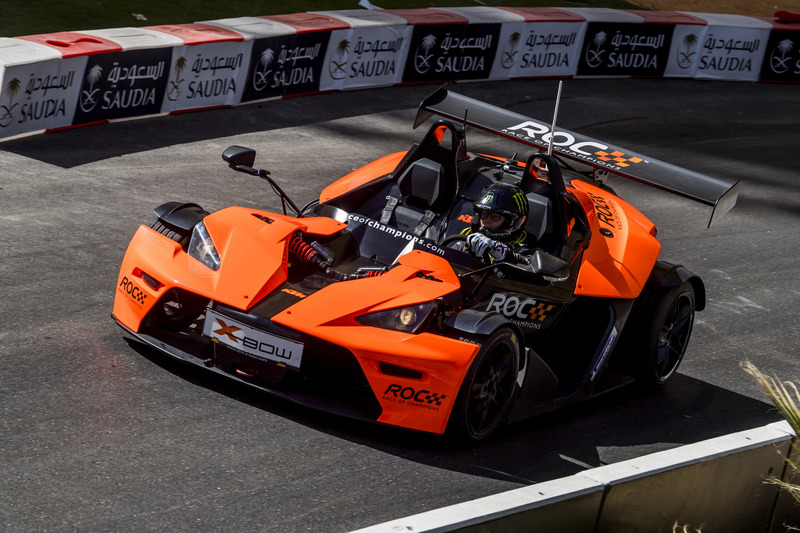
[(713, 485), (66, 79)]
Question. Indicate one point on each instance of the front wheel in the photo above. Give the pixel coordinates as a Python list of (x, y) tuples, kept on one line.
[(487, 393), (178, 309), (666, 334)]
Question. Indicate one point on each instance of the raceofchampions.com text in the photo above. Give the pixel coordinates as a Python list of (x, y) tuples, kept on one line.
[(428, 245)]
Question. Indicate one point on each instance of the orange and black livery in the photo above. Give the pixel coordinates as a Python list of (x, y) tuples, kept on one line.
[(365, 302)]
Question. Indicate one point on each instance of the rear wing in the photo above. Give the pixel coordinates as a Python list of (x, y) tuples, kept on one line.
[(620, 161)]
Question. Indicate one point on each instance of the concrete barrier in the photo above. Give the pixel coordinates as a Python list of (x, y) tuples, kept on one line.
[(713, 485)]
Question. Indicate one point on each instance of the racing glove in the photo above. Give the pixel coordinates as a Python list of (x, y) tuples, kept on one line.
[(482, 245)]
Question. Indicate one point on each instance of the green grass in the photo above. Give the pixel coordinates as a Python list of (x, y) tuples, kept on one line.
[(31, 17)]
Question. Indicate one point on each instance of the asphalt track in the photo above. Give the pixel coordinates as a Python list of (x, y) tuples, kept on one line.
[(98, 434)]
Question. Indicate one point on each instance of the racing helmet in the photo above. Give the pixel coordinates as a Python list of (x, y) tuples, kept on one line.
[(507, 200)]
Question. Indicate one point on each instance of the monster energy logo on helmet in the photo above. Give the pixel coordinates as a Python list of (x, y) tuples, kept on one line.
[(507, 200)]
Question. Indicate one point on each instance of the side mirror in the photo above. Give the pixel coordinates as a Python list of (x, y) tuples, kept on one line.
[(239, 157)]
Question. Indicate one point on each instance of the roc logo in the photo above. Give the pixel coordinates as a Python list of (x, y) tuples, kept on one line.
[(513, 307), (134, 293), (617, 157), (400, 394), (539, 312)]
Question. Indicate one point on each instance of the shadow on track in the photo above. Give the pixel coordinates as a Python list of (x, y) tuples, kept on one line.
[(79, 146), (621, 425)]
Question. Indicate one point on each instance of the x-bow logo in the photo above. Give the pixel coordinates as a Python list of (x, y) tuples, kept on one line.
[(225, 329), (618, 158)]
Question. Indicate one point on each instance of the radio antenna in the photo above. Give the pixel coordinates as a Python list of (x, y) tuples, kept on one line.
[(555, 118)]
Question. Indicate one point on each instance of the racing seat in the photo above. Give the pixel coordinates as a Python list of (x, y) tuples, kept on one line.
[(539, 223), (411, 207)]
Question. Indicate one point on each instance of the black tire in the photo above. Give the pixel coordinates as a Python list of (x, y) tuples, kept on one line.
[(178, 309), (665, 335), (488, 391)]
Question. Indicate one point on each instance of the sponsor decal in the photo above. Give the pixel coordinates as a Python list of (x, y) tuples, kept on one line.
[(780, 56), (39, 95), (625, 49), (132, 291), (225, 329), (730, 54), (292, 292), (265, 76), (373, 58), (686, 53), (288, 64), (525, 312), (412, 397), (589, 150), (252, 341), (400, 234), (7, 108), (451, 51), (123, 93), (123, 84), (214, 76), (541, 50), (606, 213), (782, 63), (337, 67), (617, 157)]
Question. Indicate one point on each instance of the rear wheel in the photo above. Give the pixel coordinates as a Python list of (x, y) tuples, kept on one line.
[(487, 393), (665, 336)]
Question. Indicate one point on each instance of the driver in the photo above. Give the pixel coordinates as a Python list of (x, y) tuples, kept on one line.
[(497, 232)]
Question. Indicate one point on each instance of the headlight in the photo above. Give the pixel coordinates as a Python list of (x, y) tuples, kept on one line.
[(202, 248), (406, 319)]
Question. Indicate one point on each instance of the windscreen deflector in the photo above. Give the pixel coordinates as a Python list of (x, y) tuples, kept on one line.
[(719, 194)]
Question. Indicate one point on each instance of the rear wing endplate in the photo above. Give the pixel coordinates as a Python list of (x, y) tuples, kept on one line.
[(719, 194)]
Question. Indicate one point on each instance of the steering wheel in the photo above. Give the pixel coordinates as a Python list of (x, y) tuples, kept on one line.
[(453, 238)]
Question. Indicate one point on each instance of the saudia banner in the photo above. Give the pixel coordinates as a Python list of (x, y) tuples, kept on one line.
[(621, 49), (285, 65), (59, 80), (40, 96), (733, 48), (538, 49), (123, 84), (782, 58), (365, 57), (451, 52), (207, 75)]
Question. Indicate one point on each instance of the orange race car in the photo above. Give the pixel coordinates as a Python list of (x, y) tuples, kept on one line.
[(371, 302)]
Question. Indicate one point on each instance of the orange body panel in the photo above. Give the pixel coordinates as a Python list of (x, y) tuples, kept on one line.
[(254, 262), (339, 303), (247, 246), (329, 314), (623, 248), (360, 176)]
